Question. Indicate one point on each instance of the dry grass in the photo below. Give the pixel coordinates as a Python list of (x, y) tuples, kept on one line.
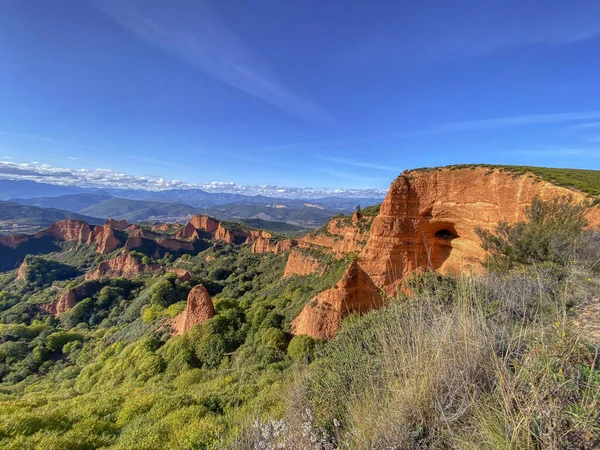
[(493, 363)]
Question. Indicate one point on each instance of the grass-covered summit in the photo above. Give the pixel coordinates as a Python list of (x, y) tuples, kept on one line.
[(583, 180)]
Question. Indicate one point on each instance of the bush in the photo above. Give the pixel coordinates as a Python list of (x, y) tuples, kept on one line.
[(551, 233), (301, 347)]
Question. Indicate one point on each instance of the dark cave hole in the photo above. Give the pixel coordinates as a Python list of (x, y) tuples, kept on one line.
[(444, 233)]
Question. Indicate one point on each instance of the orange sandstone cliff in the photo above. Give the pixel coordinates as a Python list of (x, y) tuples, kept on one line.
[(428, 219), (198, 309), (124, 265), (322, 316), (427, 222), (338, 238)]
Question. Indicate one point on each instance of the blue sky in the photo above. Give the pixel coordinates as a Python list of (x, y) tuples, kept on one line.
[(339, 94)]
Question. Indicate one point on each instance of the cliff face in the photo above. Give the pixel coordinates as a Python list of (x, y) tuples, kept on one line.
[(104, 237), (300, 263), (14, 240), (68, 299), (117, 224), (263, 245), (199, 308), (426, 222), (428, 219), (67, 230), (187, 232), (232, 235), (322, 316), (340, 237), (123, 265), (65, 302), (205, 223)]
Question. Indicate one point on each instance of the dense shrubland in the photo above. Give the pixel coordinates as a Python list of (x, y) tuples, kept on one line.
[(490, 361)]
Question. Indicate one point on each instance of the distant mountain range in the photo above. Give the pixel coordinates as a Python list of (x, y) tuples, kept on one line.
[(15, 218), (174, 204)]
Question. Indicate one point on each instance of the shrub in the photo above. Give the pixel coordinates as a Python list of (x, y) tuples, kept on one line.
[(552, 231), (301, 347)]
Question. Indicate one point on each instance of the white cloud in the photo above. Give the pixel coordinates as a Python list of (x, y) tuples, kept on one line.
[(105, 178)]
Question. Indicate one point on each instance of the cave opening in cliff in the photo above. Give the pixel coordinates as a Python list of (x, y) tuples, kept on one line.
[(445, 233)]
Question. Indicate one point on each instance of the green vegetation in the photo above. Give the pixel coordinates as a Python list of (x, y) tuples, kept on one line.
[(275, 227), (40, 272), (461, 362)]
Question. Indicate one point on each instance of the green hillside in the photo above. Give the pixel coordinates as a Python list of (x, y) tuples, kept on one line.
[(134, 210), (15, 218)]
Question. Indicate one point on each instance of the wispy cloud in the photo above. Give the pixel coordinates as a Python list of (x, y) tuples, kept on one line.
[(49, 140), (452, 33), (105, 178), (193, 32), (513, 121), (351, 162), (586, 126), (456, 127)]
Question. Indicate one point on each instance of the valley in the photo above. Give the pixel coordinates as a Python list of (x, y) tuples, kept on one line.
[(118, 334)]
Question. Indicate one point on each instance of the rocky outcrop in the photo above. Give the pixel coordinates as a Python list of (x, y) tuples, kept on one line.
[(182, 274), (165, 227), (199, 308), (62, 304), (105, 239), (124, 265), (266, 245), (187, 232), (301, 263), (204, 223), (134, 241), (117, 224), (428, 219), (67, 230), (69, 298), (322, 316), (13, 241), (174, 244), (232, 235), (340, 236), (21, 271)]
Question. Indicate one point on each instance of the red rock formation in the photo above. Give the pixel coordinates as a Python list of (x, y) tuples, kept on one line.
[(356, 217), (117, 224), (199, 309), (183, 274), (104, 237), (253, 235), (13, 241), (134, 241), (165, 227), (205, 223), (67, 230), (301, 263), (21, 270), (231, 235), (428, 219), (187, 232), (322, 316), (174, 244), (264, 245), (123, 265), (63, 303)]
